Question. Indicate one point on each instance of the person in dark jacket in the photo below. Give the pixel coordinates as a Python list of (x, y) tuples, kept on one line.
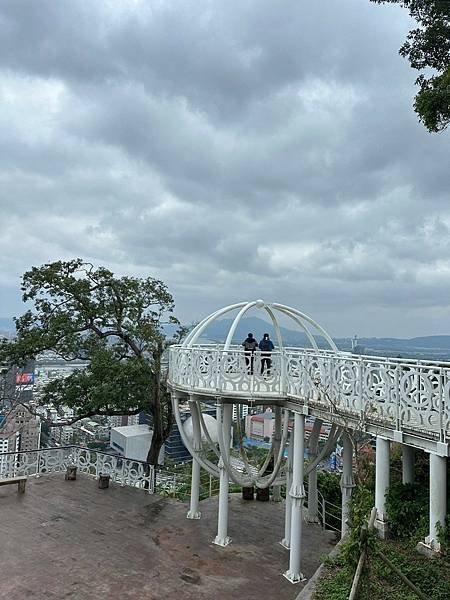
[(266, 346), (250, 345)]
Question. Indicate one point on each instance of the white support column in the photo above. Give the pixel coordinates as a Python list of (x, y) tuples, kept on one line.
[(407, 464), (382, 471), (194, 512), (297, 492), (286, 541), (276, 448), (346, 481), (438, 498), (222, 538)]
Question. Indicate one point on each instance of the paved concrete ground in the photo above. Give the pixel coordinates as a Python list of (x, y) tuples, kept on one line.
[(70, 540)]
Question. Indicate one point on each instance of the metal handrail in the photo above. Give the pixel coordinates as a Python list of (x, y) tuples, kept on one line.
[(43, 461), (74, 447), (341, 353), (322, 512)]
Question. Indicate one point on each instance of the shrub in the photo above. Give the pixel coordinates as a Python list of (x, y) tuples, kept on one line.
[(407, 509)]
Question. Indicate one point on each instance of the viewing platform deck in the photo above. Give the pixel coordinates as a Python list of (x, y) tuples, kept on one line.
[(68, 539)]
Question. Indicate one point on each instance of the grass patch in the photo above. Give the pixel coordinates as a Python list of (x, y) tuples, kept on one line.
[(431, 576)]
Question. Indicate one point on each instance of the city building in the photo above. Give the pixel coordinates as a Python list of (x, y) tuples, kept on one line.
[(174, 447), (122, 420), (241, 409), (133, 441), (20, 430), (260, 426)]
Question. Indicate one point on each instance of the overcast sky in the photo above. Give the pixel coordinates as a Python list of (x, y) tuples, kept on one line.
[(236, 150)]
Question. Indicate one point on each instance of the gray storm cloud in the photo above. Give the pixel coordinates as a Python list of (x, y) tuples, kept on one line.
[(235, 150)]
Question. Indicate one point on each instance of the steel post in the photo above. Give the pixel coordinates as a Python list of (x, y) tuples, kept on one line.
[(297, 492), (382, 471), (194, 512), (286, 541), (438, 498), (222, 538)]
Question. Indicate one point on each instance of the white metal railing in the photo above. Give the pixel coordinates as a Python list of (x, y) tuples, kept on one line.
[(402, 395), (176, 481), (36, 463), (328, 513)]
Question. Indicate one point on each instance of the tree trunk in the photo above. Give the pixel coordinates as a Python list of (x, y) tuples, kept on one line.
[(161, 407), (156, 445)]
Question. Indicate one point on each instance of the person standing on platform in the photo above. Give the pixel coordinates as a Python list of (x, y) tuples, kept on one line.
[(266, 346), (250, 345)]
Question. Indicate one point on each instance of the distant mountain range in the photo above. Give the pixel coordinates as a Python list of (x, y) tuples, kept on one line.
[(218, 331), (433, 347)]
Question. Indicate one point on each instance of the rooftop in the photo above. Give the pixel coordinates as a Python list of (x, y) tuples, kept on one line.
[(133, 430), (68, 539)]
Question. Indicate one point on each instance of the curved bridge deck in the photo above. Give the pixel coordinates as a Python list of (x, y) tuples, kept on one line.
[(404, 400)]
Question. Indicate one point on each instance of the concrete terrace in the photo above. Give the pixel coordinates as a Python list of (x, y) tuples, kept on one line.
[(70, 540)]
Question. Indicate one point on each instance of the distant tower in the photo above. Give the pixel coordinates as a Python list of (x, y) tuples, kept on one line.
[(354, 342)]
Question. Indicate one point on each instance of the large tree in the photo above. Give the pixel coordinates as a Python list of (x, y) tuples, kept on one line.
[(117, 325), (428, 47)]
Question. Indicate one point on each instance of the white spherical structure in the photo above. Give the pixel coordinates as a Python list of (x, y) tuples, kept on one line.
[(211, 427), (272, 309)]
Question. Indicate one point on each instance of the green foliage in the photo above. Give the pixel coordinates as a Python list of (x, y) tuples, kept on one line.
[(79, 308), (432, 103), (407, 510), (256, 456), (329, 485), (360, 506), (115, 324), (380, 583), (444, 539), (336, 584), (106, 387), (428, 46), (179, 482)]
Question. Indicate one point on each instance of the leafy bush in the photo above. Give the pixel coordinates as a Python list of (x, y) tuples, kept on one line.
[(361, 504), (407, 509), (329, 485), (444, 538)]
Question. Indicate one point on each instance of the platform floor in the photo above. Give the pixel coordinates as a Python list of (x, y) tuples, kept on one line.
[(70, 540)]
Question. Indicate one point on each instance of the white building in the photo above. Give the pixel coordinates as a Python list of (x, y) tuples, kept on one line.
[(122, 420), (243, 410), (8, 443), (133, 441)]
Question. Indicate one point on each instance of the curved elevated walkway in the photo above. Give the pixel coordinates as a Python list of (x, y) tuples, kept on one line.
[(404, 400)]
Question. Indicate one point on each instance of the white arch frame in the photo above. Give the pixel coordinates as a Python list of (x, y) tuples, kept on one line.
[(300, 318)]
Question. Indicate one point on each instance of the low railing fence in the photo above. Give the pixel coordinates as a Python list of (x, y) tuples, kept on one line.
[(36, 463), (175, 482), (328, 513)]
